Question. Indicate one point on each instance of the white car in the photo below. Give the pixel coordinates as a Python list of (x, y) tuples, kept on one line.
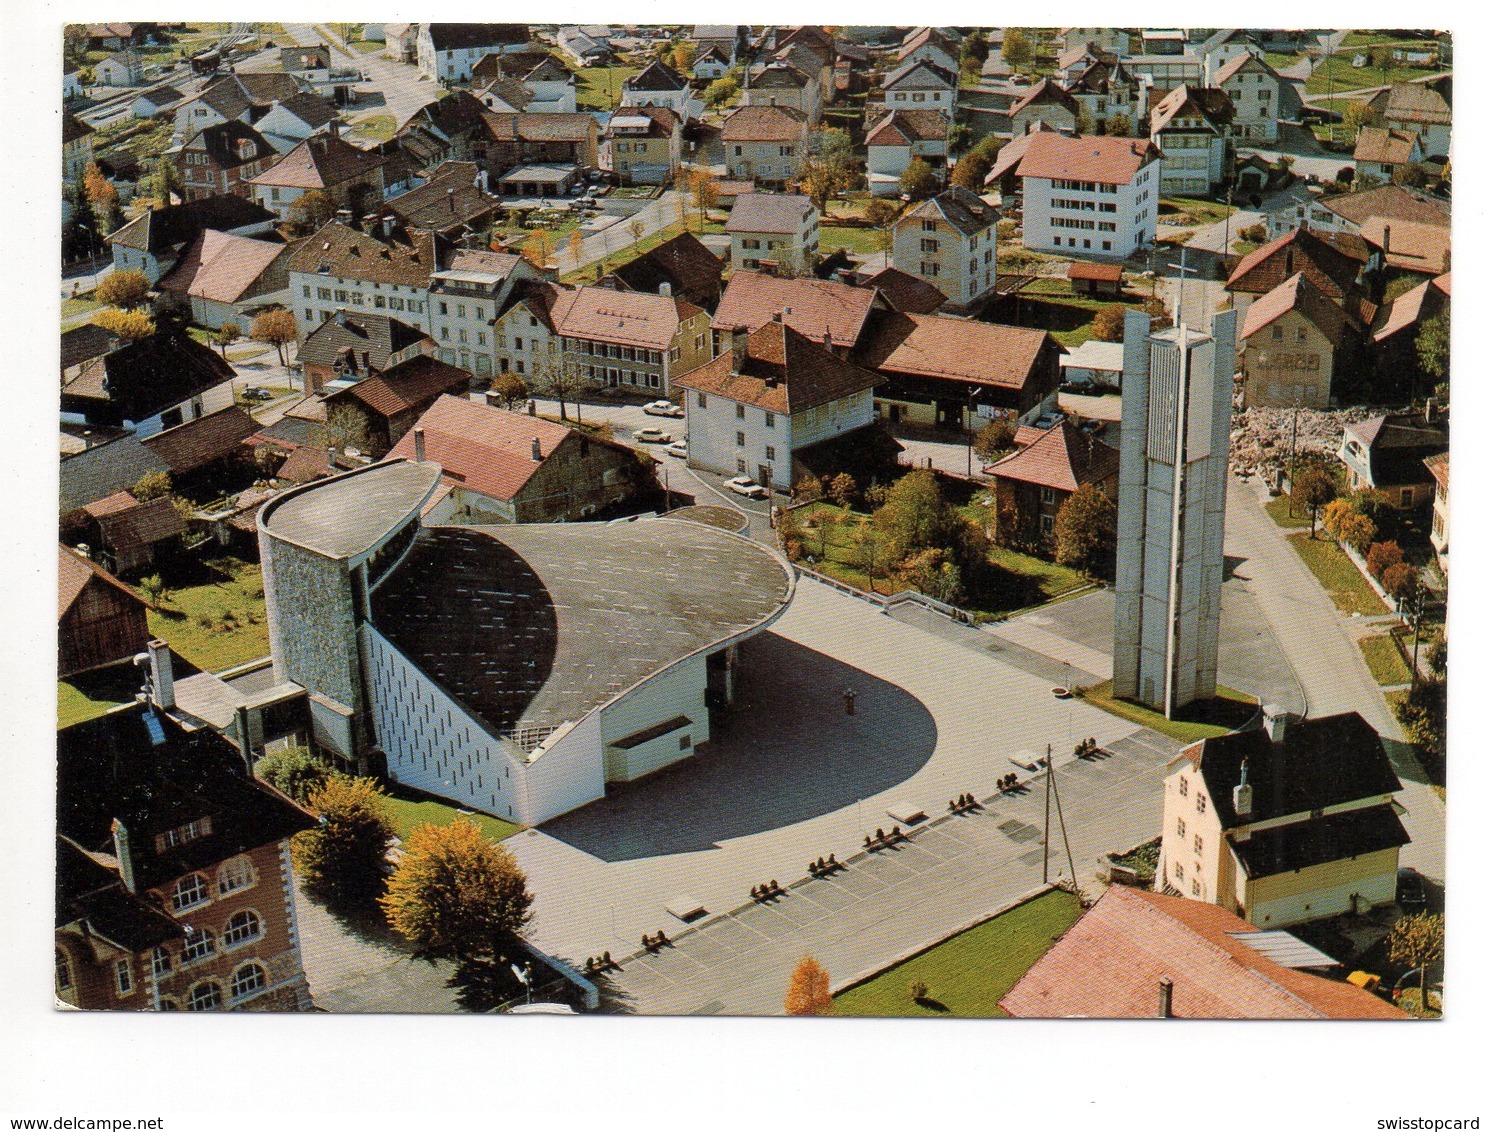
[(652, 436), (678, 448), (744, 485), (662, 409)]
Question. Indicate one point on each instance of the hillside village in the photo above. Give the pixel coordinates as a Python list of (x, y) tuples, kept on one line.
[(725, 482)]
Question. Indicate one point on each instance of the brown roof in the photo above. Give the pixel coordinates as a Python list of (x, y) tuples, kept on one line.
[(74, 572), (361, 333), (1297, 294), (902, 127), (1238, 63), (1210, 103), (74, 127), (783, 372), (962, 208), (111, 504), (144, 524), (931, 345), (1412, 102), (525, 65), (1046, 93), (483, 448), (1109, 963), (764, 124), (1063, 458), (321, 161), (223, 268), (308, 462), (1047, 154), (339, 250), (630, 318), (1101, 272), (196, 443), (1384, 146), (1438, 465), (578, 128), (1327, 267), (909, 294), (1423, 302), (406, 386), (447, 200), (813, 306), (1424, 248), (769, 212), (1390, 203), (512, 92), (684, 262)]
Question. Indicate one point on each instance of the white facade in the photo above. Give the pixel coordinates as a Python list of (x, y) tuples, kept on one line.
[(315, 298), (917, 96), (284, 130), (733, 438), (961, 265), (1194, 157), (454, 65), (796, 251), (1091, 216), (1255, 93)]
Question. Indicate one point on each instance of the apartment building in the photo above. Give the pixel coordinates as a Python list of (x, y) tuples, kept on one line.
[(779, 230), (765, 144), (950, 241)]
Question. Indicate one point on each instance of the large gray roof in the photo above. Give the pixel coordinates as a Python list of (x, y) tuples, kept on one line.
[(534, 625), (346, 516)]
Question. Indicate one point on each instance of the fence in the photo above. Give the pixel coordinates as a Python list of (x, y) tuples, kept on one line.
[(887, 602)]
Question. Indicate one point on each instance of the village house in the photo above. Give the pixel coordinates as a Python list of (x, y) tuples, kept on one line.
[(548, 85), (905, 293), (504, 467), (933, 45), (1416, 108), (242, 97), (223, 278), (919, 85), (901, 137), (1256, 93), (1386, 454), (1032, 483), (1166, 72), (125, 533), (1291, 822), (1046, 103), (711, 63), (1094, 363), (778, 83), (123, 68), (1368, 214), (1105, 89), (1380, 151), (726, 39), (1294, 341), (467, 298), (174, 887), (657, 84), (77, 147), (450, 204), (387, 403), (113, 37), (950, 241), (1397, 326), (222, 160), (1115, 41), (351, 177), (834, 314), (778, 230), (153, 241), (152, 384), (100, 620), (446, 53), (1438, 468), (1138, 954), (644, 144), (339, 267), (1191, 125), (683, 263), (156, 102), (1338, 266), (288, 122), (538, 154), (350, 347), (206, 456), (765, 144), (771, 393), (1099, 194)]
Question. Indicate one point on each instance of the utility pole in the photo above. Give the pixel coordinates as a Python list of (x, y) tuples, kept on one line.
[(1045, 842), (1061, 817), (971, 435)]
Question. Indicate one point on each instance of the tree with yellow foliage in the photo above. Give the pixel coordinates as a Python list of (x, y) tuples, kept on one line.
[(808, 994)]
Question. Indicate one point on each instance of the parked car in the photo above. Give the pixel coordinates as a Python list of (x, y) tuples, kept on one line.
[(1412, 896), (652, 436), (257, 393), (744, 485), (662, 409), (678, 448)]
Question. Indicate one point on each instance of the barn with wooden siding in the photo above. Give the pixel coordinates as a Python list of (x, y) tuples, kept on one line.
[(99, 618)]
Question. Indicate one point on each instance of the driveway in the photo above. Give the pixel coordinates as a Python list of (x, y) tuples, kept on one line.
[(670, 208)]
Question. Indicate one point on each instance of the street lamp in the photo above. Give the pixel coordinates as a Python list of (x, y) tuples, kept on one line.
[(971, 435)]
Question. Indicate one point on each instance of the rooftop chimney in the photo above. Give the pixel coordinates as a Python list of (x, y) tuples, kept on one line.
[(827, 338), (1241, 796), (537, 451), (419, 444), (1430, 412), (162, 682), (450, 198), (1166, 997), (739, 338), (1275, 722), (245, 738), (331, 456), (125, 855), (1386, 239), (665, 289)]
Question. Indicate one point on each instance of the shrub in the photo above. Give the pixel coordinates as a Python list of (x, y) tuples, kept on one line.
[(293, 771), (1399, 579), (1357, 532), (345, 857), (1381, 557), (1107, 326)]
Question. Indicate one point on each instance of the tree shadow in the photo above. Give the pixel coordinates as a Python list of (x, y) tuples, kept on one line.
[(933, 1005)]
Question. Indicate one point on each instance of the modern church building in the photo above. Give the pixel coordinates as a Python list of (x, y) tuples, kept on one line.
[(1176, 429), (512, 669)]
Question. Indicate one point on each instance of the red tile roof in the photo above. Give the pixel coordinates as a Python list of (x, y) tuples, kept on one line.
[(902, 127), (321, 161), (630, 318), (1411, 246), (930, 345), (225, 268), (1423, 302), (813, 307), (1384, 146), (1102, 272), (782, 372), (1297, 294), (1329, 268), (1109, 963), (1047, 154), (197, 443), (1063, 458), (909, 294), (764, 124), (483, 448), (1438, 465), (406, 386)]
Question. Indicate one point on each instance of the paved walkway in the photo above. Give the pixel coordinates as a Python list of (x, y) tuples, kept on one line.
[(669, 208), (954, 871), (1317, 639)]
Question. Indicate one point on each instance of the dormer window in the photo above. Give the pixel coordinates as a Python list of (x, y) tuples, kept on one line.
[(191, 831)]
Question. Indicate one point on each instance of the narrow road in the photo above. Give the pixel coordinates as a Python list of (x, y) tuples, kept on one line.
[(669, 208), (1316, 638)]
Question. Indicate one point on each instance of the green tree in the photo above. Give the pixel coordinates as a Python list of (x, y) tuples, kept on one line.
[(344, 857), (154, 589), (721, 92), (918, 181), (293, 771), (1085, 527), (457, 894), (226, 335), (1432, 345), (808, 993), (1119, 125), (866, 553), (131, 326), (827, 167), (995, 438), (1107, 324), (933, 572), (311, 211), (1356, 531), (1083, 124), (1311, 487), (511, 388), (1019, 48), (1357, 114), (1417, 942), (344, 429), (125, 289), (880, 214), (275, 328), (152, 485)]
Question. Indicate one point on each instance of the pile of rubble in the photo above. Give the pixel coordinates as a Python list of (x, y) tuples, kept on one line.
[(1262, 438)]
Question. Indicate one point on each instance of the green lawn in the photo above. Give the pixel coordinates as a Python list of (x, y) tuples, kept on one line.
[(1338, 575), (859, 241), (1228, 711), (1335, 74), (410, 808), (72, 308), (966, 975), (74, 705), (1051, 579), (1199, 211), (1049, 304), (1385, 661), (1280, 60), (1278, 508), (600, 87), (366, 46), (214, 615), (378, 128)]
